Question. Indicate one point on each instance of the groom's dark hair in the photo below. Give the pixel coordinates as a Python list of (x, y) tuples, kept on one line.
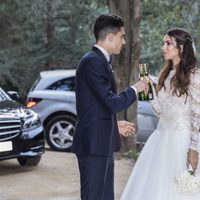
[(106, 24)]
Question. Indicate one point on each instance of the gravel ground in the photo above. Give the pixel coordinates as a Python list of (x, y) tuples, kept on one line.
[(55, 178)]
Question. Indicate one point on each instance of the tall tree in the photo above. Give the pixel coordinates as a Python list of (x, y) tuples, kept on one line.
[(42, 34), (126, 64), (50, 30)]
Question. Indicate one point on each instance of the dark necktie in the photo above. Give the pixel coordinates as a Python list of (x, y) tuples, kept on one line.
[(110, 61)]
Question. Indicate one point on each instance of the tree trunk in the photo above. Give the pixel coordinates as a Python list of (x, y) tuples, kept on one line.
[(125, 64), (50, 27), (136, 48)]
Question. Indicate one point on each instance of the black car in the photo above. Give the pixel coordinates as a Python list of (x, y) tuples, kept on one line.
[(21, 132)]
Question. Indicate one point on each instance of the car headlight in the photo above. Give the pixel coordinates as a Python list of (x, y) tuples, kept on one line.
[(30, 121)]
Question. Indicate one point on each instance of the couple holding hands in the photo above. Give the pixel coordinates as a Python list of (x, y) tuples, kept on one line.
[(174, 143)]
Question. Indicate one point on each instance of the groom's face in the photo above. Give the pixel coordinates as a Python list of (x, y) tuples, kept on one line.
[(118, 40)]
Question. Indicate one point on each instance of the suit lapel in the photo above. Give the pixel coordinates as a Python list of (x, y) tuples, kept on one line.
[(108, 67)]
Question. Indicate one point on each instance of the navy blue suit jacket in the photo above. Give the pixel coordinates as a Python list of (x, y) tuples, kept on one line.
[(97, 103)]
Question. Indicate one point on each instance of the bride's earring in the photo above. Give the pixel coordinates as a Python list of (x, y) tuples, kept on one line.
[(181, 49)]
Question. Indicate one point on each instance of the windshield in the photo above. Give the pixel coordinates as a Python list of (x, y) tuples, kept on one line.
[(35, 83), (2, 96)]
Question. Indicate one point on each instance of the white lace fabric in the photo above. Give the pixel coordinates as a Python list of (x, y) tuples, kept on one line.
[(155, 103), (195, 109), (176, 113)]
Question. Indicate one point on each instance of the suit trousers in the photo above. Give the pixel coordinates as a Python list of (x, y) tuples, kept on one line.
[(96, 177)]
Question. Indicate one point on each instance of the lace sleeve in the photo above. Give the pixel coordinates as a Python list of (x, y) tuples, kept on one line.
[(195, 109), (155, 103)]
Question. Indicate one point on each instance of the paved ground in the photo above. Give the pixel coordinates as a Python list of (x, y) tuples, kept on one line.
[(56, 178)]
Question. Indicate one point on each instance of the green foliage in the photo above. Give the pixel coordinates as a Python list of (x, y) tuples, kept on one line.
[(133, 153), (157, 17), (27, 43)]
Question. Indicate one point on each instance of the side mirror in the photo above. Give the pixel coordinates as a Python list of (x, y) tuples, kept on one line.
[(13, 95)]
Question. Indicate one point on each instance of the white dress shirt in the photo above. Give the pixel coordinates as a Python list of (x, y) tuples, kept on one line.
[(105, 53)]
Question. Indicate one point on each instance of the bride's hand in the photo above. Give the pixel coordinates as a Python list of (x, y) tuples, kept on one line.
[(192, 158), (150, 80)]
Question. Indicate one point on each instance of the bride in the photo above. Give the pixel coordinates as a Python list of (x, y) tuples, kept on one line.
[(174, 143)]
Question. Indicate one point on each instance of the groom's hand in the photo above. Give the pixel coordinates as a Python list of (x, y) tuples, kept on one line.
[(142, 84), (126, 128)]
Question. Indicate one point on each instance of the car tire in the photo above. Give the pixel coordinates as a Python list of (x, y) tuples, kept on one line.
[(29, 161), (59, 132)]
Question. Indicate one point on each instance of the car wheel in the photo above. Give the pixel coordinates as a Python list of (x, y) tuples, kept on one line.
[(29, 161), (60, 131)]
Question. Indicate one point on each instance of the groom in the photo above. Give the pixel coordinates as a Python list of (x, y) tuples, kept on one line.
[(97, 136)]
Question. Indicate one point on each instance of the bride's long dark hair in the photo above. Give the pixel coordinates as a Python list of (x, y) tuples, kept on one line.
[(188, 63)]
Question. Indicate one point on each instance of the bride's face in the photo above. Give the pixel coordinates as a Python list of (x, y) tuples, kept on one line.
[(170, 50)]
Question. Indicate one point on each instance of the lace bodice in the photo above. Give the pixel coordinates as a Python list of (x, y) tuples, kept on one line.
[(177, 114)]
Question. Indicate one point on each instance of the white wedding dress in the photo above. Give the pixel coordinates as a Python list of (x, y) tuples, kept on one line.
[(164, 155)]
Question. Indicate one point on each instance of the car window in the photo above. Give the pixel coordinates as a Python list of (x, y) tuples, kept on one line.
[(2, 96), (67, 84)]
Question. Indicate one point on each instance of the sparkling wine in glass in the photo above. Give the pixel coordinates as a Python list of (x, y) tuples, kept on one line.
[(146, 94)]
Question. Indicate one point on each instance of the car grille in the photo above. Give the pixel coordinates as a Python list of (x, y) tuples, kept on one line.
[(9, 129)]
